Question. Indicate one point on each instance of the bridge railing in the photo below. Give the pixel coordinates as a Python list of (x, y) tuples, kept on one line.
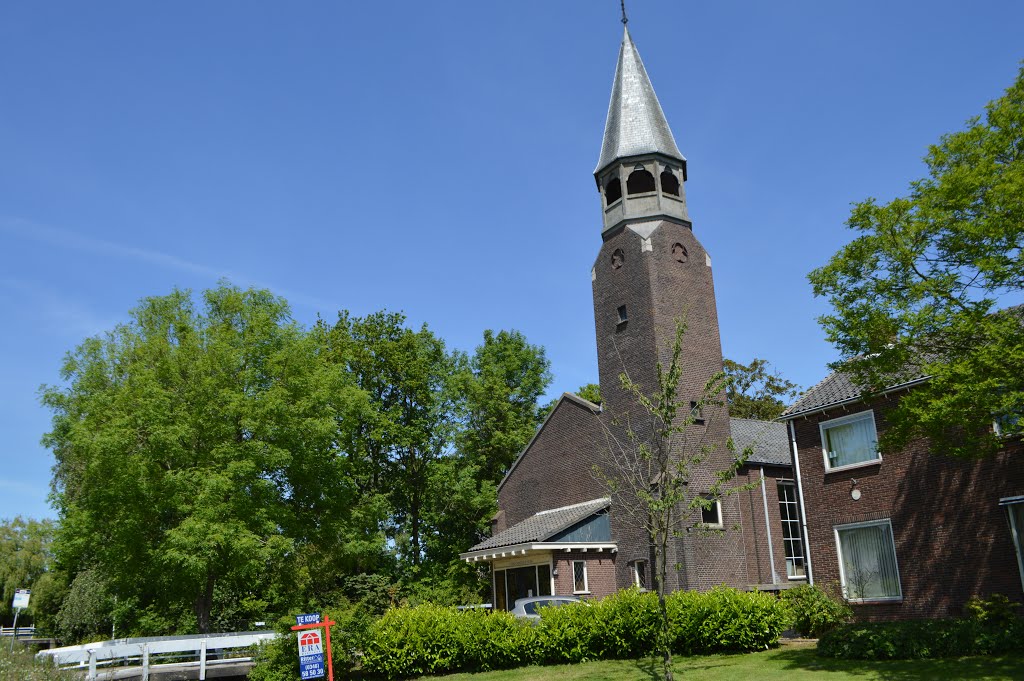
[(23, 632), (107, 659)]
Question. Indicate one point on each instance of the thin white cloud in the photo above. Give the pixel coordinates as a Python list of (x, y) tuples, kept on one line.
[(63, 238), (62, 315), (76, 242)]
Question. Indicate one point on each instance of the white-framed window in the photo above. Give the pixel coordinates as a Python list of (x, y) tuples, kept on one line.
[(792, 541), (850, 441), (712, 515), (1015, 507), (640, 575), (867, 562), (579, 577)]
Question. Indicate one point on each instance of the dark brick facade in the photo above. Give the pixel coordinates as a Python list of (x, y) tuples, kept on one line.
[(661, 273), (555, 469), (601, 579), (755, 531), (952, 538)]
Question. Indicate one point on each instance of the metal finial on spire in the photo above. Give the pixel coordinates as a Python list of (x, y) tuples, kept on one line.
[(625, 19)]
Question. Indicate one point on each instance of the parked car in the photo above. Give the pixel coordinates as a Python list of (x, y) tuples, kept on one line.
[(528, 607)]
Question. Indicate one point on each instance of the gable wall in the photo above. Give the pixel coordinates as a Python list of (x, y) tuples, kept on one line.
[(952, 538), (556, 468)]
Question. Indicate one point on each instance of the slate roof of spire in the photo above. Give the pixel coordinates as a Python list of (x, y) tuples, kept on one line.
[(636, 124)]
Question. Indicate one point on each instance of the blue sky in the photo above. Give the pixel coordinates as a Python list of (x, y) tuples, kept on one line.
[(436, 158)]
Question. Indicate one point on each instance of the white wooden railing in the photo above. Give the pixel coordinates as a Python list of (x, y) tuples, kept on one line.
[(138, 657), (23, 632)]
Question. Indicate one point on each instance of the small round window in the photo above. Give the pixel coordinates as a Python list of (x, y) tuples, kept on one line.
[(618, 257)]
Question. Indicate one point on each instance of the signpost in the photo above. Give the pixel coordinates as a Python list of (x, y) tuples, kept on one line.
[(20, 602), (311, 646)]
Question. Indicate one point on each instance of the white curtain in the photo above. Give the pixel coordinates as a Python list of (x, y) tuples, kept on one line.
[(869, 562), (851, 443)]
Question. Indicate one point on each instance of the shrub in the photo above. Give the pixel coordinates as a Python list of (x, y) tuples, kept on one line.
[(569, 633), (629, 623), (922, 639), (724, 620), (815, 611), (431, 639), (996, 610), (277, 660)]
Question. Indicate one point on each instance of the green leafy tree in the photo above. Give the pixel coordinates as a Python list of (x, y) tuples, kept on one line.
[(195, 453), (506, 378), (410, 422), (652, 455), (754, 391), (498, 392), (26, 558), (590, 392), (916, 292)]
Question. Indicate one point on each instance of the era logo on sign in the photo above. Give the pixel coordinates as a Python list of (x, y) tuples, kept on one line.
[(309, 643)]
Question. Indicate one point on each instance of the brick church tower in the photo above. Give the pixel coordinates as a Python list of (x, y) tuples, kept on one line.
[(560, 529), (650, 272)]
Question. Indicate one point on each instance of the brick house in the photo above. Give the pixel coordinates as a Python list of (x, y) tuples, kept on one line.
[(557, 530), (905, 534)]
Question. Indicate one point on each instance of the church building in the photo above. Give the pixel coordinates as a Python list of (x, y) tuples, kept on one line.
[(558, 529)]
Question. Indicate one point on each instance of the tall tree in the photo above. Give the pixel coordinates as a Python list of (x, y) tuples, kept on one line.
[(506, 378), (754, 391), (916, 292), (194, 453), (498, 392), (410, 424), (650, 460), (26, 556)]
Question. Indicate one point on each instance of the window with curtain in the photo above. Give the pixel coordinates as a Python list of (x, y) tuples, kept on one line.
[(849, 440), (867, 561)]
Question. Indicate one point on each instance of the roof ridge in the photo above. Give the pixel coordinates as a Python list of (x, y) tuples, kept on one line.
[(606, 500)]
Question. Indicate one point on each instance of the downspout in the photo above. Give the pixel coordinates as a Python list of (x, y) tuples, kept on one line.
[(800, 496), (768, 529)]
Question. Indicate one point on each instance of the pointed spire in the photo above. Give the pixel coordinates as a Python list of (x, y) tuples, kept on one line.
[(636, 124)]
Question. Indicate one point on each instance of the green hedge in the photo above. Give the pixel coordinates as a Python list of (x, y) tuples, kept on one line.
[(815, 611), (922, 639), (433, 640), (725, 620)]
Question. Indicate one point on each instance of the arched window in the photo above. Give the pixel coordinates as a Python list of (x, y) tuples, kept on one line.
[(640, 182), (669, 182), (612, 191)]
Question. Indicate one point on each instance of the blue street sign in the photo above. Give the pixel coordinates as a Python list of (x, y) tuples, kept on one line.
[(307, 619)]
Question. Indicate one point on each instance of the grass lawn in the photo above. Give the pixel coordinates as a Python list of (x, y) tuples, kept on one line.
[(790, 663)]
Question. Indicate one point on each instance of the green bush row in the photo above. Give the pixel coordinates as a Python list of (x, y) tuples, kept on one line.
[(816, 611), (922, 639), (433, 640)]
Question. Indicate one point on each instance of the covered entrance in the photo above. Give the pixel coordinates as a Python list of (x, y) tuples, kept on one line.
[(520, 582)]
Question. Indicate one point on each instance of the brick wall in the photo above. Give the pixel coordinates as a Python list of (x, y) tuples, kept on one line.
[(555, 469), (661, 275), (755, 533), (601, 580), (952, 539)]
